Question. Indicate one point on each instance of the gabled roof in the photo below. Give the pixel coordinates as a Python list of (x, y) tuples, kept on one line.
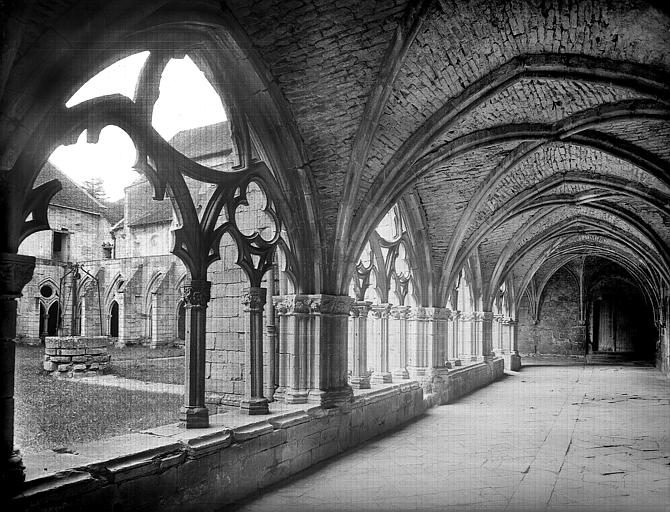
[(204, 141), (72, 195)]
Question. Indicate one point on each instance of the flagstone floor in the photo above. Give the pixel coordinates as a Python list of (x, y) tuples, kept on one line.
[(550, 437)]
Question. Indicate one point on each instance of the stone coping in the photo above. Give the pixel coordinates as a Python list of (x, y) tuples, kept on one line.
[(117, 457)]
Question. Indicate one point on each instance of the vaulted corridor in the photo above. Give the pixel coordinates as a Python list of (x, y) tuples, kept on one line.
[(555, 436)]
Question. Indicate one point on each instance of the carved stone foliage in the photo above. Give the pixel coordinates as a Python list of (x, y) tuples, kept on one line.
[(254, 298), (197, 293), (15, 272)]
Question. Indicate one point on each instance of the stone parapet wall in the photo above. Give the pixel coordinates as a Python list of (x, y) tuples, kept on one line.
[(170, 468), (75, 355)]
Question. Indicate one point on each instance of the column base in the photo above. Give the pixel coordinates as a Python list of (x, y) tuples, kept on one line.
[(359, 382), (194, 417), (381, 378), (400, 374), (254, 406), (457, 362), (331, 398), (295, 397), (513, 361), (12, 475)]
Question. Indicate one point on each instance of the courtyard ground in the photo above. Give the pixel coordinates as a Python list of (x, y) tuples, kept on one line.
[(550, 437), (55, 413)]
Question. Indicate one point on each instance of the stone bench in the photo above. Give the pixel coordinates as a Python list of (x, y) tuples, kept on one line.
[(75, 355)]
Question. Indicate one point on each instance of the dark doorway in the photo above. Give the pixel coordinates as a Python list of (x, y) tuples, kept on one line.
[(181, 321), (52, 321), (114, 320)]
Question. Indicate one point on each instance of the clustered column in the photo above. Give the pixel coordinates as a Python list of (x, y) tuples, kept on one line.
[(313, 332), (358, 340), (416, 343), (194, 413), (15, 272), (398, 342), (380, 320), (486, 323), (254, 402)]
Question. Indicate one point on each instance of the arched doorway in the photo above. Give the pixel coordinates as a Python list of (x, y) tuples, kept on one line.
[(52, 321), (114, 320)]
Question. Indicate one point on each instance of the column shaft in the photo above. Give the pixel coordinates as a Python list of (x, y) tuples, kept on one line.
[(254, 402), (194, 413), (380, 319)]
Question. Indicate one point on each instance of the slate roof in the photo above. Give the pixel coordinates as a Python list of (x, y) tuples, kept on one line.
[(72, 195), (213, 139)]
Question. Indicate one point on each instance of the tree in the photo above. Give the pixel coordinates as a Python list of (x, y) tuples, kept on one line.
[(95, 187)]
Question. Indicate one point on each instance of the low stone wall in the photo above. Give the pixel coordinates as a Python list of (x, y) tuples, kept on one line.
[(448, 385), (170, 468), (75, 355)]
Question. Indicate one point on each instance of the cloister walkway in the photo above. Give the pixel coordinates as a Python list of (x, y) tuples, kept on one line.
[(550, 437)]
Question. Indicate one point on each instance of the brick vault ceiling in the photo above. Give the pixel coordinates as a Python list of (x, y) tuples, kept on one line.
[(504, 119)]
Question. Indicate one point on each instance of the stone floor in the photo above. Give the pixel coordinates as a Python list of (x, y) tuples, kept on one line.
[(549, 437)]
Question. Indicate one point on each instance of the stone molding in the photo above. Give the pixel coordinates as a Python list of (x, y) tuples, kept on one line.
[(292, 304), (485, 315), (254, 298), (466, 317), (197, 292), (16, 270), (416, 313)]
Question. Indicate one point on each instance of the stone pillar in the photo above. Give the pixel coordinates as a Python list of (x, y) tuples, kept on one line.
[(437, 336), (515, 358), (465, 323), (358, 339), (15, 272), (454, 338), (328, 331), (380, 320), (476, 345), (194, 413), (416, 343), (486, 323), (254, 402), (398, 342), (155, 321), (498, 335), (295, 348), (271, 338)]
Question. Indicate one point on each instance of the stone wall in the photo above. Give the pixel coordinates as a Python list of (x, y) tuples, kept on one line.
[(558, 329), (75, 356), (169, 468)]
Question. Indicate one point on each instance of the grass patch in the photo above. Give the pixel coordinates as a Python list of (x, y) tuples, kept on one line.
[(166, 371), (53, 413)]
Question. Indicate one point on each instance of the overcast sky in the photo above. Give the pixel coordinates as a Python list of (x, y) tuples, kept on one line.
[(186, 100)]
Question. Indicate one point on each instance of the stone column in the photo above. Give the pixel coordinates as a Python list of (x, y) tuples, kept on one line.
[(295, 348), (380, 319), (329, 320), (515, 358), (465, 334), (254, 402), (486, 323), (498, 335), (398, 342), (358, 339), (271, 338), (476, 353), (194, 413), (416, 343), (436, 335), (15, 272), (455, 341)]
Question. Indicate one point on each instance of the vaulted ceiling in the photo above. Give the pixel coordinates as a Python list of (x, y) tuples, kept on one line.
[(526, 132)]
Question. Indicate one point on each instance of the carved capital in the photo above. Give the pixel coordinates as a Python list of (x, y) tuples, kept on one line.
[(197, 292), (16, 271), (380, 310), (292, 304), (330, 304), (417, 313), (399, 312), (437, 313), (254, 298), (360, 308), (485, 315)]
